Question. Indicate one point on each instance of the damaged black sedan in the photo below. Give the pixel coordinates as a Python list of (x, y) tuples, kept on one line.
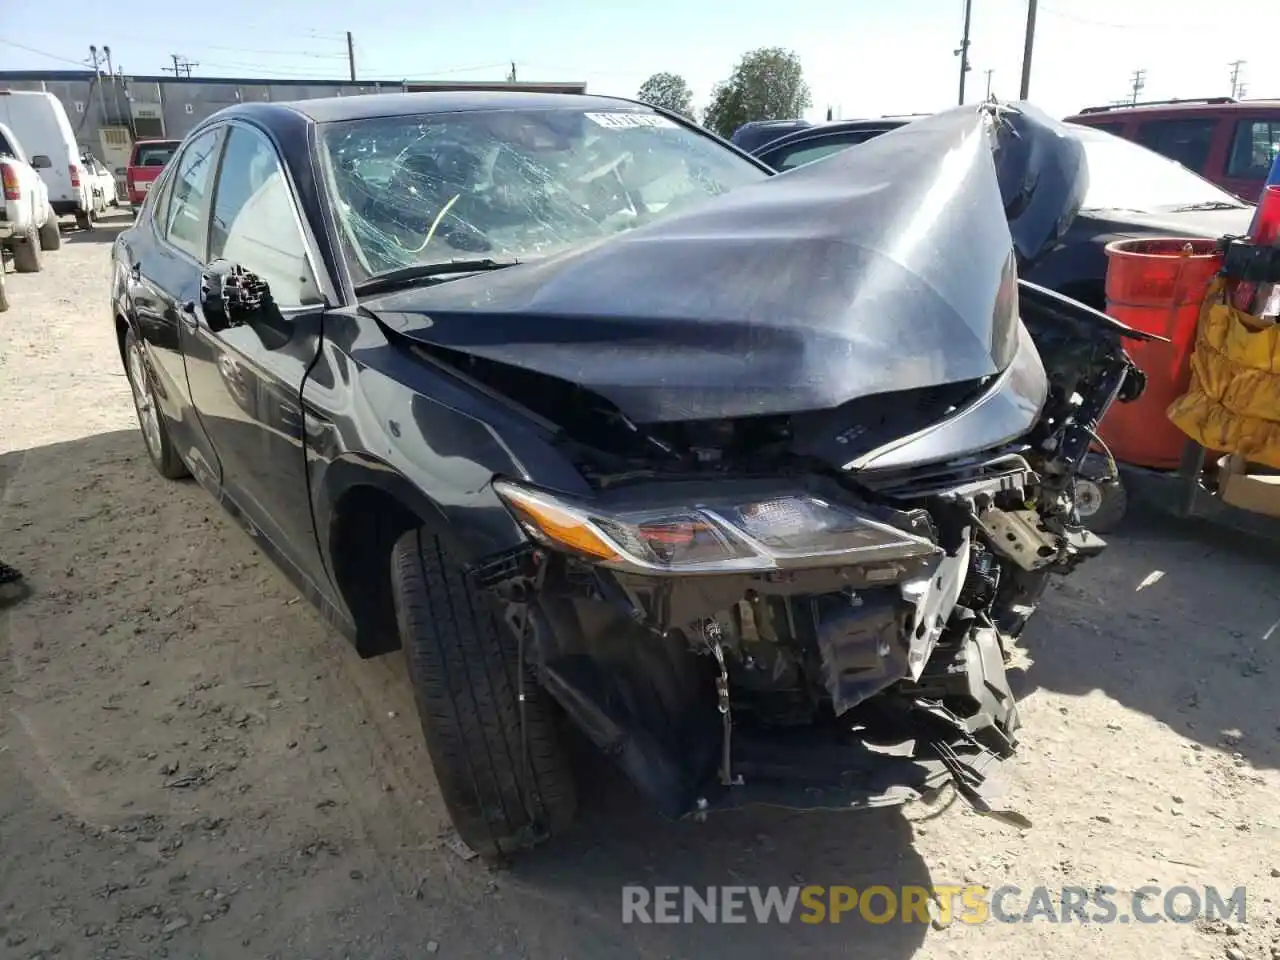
[(752, 478)]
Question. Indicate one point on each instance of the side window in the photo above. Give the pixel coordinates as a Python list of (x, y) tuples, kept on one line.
[(254, 223), (188, 213), (801, 153), (1187, 141), (1254, 148)]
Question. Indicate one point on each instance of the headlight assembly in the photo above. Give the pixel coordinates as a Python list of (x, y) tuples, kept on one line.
[(790, 530)]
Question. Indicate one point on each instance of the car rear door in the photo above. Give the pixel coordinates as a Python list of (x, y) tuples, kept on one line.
[(246, 378), (163, 256)]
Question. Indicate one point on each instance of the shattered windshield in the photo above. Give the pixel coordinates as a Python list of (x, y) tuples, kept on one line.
[(512, 183)]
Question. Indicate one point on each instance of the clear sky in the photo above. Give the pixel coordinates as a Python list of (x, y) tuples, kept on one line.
[(862, 57)]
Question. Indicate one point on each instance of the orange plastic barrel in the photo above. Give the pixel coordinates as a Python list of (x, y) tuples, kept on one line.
[(1156, 285)]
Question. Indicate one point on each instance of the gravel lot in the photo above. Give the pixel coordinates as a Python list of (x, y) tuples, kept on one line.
[(192, 765)]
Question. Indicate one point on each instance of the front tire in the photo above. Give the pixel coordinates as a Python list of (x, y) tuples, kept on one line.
[(155, 435), (26, 252), (501, 797)]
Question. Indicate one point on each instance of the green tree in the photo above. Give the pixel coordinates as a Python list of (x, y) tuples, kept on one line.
[(767, 84), (668, 91)]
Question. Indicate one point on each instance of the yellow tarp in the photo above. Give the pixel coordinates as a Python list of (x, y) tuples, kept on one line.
[(1233, 403)]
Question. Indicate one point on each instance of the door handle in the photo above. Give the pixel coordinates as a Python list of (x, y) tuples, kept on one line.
[(188, 312), (135, 271)]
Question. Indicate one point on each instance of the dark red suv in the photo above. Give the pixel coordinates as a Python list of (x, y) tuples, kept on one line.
[(1230, 142)]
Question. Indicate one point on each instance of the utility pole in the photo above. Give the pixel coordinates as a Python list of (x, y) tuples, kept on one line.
[(988, 73), (181, 66), (963, 51), (351, 56), (1138, 84), (1028, 43), (97, 79), (511, 77), (1237, 82)]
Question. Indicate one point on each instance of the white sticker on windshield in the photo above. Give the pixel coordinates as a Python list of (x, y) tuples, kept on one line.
[(623, 121)]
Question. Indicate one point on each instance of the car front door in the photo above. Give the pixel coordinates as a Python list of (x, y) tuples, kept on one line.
[(245, 369), (165, 255)]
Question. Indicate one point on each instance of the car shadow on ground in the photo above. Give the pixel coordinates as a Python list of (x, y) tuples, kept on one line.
[(1178, 620)]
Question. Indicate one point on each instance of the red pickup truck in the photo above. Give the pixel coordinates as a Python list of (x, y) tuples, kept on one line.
[(145, 163)]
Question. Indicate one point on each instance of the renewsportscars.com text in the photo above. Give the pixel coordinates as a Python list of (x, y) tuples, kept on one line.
[(961, 903)]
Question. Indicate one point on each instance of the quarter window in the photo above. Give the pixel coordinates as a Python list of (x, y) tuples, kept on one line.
[(1254, 149), (188, 213), (1187, 141), (254, 224)]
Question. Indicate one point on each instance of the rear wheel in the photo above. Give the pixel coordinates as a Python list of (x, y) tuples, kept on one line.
[(26, 252), (502, 795), (154, 432), (4, 294), (50, 235), (84, 219)]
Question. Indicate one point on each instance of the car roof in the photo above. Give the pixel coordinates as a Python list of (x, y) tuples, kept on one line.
[(1211, 106), (374, 105)]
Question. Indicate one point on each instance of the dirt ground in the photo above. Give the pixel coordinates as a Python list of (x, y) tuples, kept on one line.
[(193, 766)]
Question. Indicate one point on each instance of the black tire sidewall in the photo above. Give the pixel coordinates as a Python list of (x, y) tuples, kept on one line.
[(462, 664), (168, 464)]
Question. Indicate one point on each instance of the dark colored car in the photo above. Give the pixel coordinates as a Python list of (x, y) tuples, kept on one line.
[(146, 161), (1229, 142), (756, 133), (1131, 192), (751, 477)]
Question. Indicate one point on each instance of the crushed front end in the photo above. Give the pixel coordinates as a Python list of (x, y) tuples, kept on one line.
[(735, 622)]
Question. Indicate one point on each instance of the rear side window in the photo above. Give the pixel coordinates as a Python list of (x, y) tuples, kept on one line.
[(254, 223), (1254, 148), (5, 149), (188, 214), (1187, 141)]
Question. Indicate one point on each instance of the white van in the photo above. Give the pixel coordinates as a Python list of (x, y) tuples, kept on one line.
[(40, 123)]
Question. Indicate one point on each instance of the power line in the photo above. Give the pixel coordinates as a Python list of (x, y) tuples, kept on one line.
[(42, 53)]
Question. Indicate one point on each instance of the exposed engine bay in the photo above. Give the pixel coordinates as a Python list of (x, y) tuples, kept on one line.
[(804, 594)]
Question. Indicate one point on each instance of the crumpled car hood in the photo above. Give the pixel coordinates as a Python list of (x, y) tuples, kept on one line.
[(875, 269)]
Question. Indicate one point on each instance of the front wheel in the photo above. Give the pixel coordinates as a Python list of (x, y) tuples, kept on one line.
[(504, 792), (154, 432)]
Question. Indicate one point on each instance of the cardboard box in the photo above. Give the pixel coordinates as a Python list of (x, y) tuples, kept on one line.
[(1255, 493)]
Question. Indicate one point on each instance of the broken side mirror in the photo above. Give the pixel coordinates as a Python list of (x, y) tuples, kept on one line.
[(41, 162), (231, 296)]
